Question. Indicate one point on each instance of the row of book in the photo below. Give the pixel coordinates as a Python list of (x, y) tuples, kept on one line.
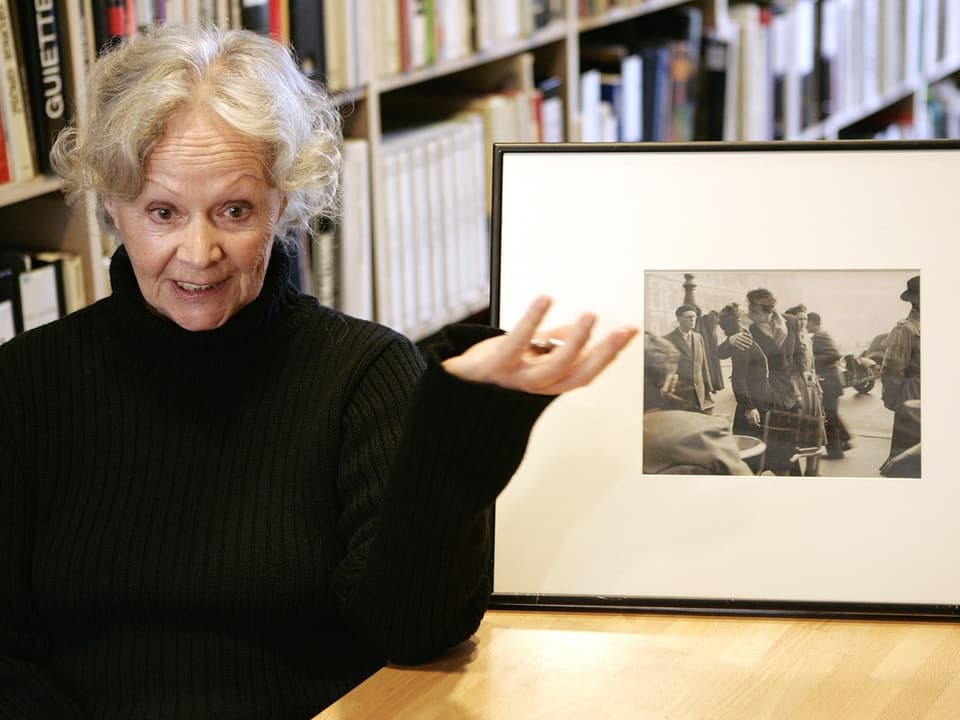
[(421, 258), (36, 84), (428, 265), (311, 26), (432, 260), (410, 34), (46, 48), (37, 287), (642, 83), (801, 62)]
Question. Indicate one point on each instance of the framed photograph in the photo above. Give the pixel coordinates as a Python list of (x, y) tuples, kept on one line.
[(757, 448)]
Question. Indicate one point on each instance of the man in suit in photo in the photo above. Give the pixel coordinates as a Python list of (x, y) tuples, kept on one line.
[(827, 359), (693, 385)]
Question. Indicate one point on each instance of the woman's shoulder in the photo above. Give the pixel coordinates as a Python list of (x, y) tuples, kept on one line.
[(334, 329)]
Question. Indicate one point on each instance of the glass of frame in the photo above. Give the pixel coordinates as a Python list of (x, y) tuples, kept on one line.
[(846, 230)]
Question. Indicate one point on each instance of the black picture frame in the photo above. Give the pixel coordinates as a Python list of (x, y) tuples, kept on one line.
[(585, 223)]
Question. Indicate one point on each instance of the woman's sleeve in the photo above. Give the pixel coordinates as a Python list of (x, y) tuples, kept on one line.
[(27, 690), (416, 577)]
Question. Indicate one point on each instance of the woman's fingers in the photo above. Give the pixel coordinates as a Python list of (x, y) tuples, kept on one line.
[(560, 360), (518, 340), (587, 365)]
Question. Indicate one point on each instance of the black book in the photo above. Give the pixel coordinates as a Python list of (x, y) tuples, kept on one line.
[(712, 99), (255, 15), (306, 36), (43, 49), (37, 289)]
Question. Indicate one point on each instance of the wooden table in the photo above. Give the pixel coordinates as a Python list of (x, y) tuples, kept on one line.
[(599, 666)]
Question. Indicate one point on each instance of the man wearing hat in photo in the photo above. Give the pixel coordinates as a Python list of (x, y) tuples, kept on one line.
[(900, 377), (693, 386)]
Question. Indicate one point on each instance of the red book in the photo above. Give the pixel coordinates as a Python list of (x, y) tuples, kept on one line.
[(276, 19), (4, 163), (117, 18)]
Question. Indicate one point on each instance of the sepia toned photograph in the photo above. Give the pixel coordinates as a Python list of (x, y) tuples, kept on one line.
[(782, 372)]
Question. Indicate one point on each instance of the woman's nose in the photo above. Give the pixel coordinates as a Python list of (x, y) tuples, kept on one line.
[(200, 245)]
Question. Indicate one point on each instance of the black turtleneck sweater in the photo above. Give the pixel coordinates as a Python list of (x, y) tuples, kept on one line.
[(238, 523)]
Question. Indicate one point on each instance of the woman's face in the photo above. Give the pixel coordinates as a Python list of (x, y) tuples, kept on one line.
[(200, 232)]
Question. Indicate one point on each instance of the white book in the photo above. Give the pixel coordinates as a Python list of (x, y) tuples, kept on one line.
[(609, 128), (451, 222), (913, 26), (843, 56), (417, 32), (354, 49), (335, 49), (453, 19), (387, 37), (71, 274), (174, 11), (754, 72), (855, 43), (473, 262), (631, 120), (39, 303), (480, 270), (781, 66), (191, 11), (870, 49), (484, 24), (508, 20), (387, 256), (951, 31), (590, 90), (7, 326), (551, 119), (356, 254), (325, 279), (437, 198), (421, 250), (890, 41), (930, 35), (406, 261), (731, 99), (830, 48)]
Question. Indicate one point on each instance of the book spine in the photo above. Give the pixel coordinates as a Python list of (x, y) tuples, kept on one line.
[(255, 15), (42, 33), (15, 115), (4, 161), (306, 36)]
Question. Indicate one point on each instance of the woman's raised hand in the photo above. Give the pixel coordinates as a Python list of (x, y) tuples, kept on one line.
[(527, 359)]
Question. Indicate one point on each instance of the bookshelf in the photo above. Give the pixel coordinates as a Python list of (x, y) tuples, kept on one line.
[(383, 94)]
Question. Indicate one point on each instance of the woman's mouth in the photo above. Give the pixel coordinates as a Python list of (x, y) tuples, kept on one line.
[(192, 288)]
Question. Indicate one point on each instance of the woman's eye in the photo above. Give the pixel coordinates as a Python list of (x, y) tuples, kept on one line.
[(161, 213), (237, 212)]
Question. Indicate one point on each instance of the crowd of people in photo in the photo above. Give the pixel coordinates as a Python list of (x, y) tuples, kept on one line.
[(787, 375)]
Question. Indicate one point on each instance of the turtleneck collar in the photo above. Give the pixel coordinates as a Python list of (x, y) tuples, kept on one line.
[(250, 326)]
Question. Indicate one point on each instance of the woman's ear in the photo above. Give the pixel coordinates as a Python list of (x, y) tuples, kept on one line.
[(110, 208)]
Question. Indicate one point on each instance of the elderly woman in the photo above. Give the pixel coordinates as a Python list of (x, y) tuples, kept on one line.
[(222, 500)]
